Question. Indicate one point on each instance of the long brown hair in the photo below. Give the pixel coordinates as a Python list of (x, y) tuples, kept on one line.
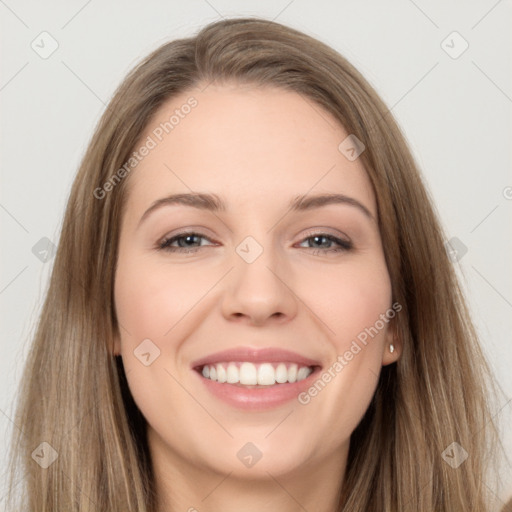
[(74, 395)]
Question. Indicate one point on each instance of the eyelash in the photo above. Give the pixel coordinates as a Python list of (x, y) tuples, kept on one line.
[(164, 245)]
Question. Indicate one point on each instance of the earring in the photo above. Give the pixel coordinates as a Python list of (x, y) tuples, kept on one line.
[(391, 348)]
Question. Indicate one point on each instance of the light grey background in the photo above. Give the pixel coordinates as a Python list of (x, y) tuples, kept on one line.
[(455, 113)]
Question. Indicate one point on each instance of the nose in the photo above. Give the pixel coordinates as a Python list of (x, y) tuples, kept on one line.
[(259, 292)]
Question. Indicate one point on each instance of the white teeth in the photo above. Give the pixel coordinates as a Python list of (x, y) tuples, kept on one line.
[(233, 375), (250, 374), (292, 373), (266, 375), (221, 373), (301, 374), (281, 373)]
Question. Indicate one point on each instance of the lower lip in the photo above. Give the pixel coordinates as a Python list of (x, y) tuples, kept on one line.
[(258, 398)]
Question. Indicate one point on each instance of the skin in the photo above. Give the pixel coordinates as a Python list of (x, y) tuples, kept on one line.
[(256, 148)]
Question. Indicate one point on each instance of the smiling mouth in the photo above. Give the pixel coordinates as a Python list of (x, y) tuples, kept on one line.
[(255, 375)]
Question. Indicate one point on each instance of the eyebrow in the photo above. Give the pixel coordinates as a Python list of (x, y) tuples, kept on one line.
[(213, 203)]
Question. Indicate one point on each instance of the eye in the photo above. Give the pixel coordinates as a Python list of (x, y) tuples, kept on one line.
[(323, 238), (188, 242)]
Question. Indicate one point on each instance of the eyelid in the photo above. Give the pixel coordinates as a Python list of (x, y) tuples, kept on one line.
[(326, 231), (196, 230), (180, 234)]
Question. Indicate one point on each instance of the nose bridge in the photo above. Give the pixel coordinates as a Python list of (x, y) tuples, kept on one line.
[(257, 265), (258, 284)]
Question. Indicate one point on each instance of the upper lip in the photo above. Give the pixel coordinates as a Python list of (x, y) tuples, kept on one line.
[(255, 355)]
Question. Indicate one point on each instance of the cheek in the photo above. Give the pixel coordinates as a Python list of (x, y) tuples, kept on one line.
[(150, 299), (349, 299)]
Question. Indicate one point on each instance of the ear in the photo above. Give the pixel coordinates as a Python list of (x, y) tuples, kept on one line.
[(391, 338)]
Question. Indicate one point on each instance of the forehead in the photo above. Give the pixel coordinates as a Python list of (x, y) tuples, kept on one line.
[(248, 144)]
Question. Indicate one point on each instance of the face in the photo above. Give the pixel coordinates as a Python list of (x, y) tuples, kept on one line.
[(217, 304)]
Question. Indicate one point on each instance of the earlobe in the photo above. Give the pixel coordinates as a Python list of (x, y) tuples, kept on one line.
[(391, 353), (392, 347)]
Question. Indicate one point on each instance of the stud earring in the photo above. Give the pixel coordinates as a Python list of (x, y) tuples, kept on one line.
[(391, 348)]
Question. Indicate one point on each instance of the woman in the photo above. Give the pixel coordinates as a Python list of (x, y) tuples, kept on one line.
[(255, 369)]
